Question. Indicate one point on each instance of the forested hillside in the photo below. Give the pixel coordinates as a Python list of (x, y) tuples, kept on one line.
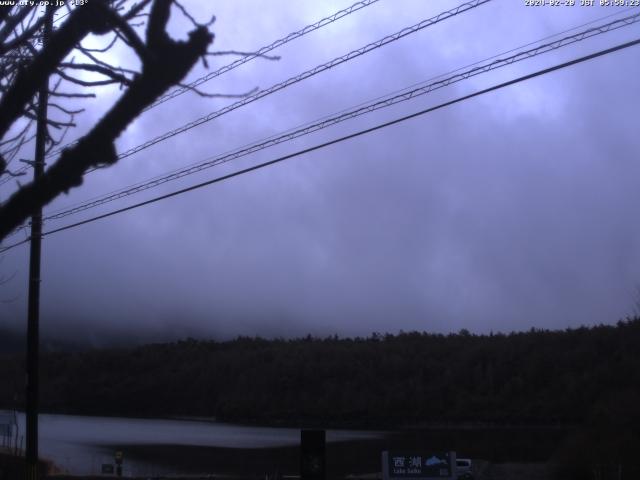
[(537, 377)]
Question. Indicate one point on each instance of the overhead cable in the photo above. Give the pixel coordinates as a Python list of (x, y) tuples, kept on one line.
[(252, 56), (347, 115), (307, 74), (23, 169), (340, 139), (264, 50)]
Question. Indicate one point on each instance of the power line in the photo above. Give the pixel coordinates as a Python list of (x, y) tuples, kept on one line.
[(307, 74), (346, 115), (26, 167), (257, 54), (263, 50), (341, 139)]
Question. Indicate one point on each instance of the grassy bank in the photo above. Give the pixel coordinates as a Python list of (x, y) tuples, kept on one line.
[(14, 467)]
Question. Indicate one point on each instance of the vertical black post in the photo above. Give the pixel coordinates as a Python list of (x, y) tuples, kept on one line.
[(33, 334), (312, 455)]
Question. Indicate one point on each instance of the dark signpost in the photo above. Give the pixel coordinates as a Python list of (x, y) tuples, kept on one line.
[(418, 465), (118, 459), (312, 455)]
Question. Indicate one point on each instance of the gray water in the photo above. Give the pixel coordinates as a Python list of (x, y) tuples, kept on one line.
[(79, 445)]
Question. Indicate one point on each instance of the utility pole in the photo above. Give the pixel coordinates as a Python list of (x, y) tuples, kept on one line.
[(33, 315)]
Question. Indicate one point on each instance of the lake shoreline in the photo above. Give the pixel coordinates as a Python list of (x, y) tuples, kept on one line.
[(79, 445)]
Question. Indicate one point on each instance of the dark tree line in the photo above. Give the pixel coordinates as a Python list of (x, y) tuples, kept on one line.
[(537, 377)]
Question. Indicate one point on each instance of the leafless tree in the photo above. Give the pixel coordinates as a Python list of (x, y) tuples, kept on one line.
[(26, 62)]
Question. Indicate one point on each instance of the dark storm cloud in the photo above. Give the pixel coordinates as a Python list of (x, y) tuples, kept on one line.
[(505, 212)]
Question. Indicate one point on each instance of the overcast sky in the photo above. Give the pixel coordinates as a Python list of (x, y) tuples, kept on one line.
[(512, 210)]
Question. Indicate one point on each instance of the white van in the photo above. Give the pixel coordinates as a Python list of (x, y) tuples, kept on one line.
[(464, 469)]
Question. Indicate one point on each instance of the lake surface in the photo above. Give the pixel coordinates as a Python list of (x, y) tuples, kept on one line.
[(80, 445)]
